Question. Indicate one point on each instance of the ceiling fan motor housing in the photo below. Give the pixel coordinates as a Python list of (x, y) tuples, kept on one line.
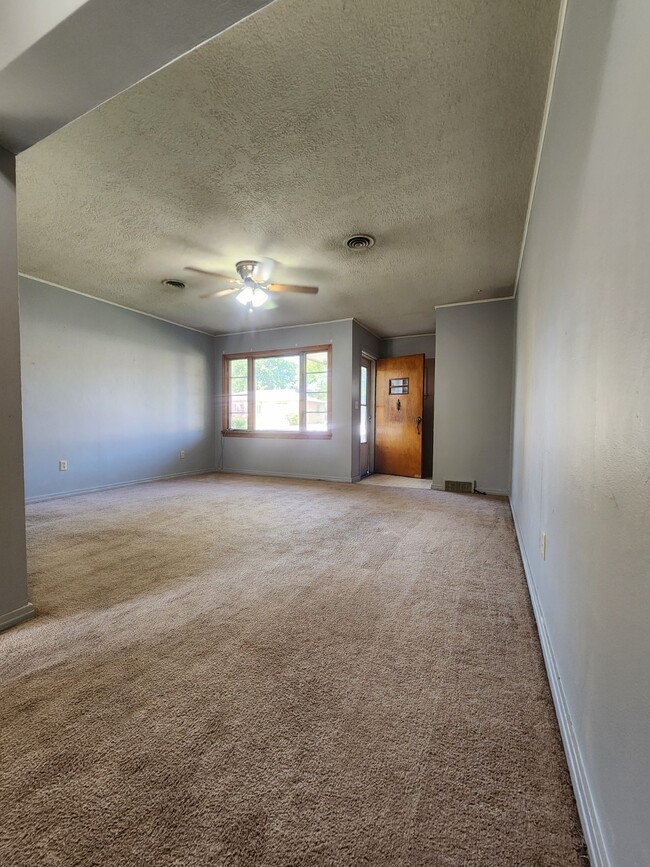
[(245, 268), (254, 277)]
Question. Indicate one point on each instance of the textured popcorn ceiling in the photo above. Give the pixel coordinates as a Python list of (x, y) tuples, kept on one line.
[(312, 120)]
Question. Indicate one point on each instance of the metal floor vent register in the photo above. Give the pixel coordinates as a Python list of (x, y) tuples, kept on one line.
[(459, 487)]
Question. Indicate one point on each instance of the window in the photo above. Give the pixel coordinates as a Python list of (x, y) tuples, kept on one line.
[(286, 393), (363, 405)]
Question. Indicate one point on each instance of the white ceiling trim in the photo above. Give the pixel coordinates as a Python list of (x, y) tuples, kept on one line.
[(424, 334), (283, 327), (542, 133), (115, 304), (480, 301)]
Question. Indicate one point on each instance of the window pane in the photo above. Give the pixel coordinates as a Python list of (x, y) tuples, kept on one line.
[(316, 380), (316, 372), (239, 421), (364, 386), (239, 367), (317, 421), (317, 362), (277, 397), (363, 426), (239, 394)]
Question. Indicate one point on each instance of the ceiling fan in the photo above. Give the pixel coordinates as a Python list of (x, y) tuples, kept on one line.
[(253, 285)]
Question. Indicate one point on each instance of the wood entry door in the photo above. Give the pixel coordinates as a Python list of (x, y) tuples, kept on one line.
[(398, 416)]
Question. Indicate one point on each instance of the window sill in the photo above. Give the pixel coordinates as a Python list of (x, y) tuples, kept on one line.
[(278, 434)]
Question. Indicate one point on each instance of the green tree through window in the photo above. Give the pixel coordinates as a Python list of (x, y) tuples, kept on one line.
[(275, 372)]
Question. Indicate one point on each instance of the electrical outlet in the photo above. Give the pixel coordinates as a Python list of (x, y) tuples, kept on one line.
[(63, 466), (182, 454), (542, 546)]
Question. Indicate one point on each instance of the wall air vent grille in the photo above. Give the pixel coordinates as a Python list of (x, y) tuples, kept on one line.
[(360, 242), (459, 487)]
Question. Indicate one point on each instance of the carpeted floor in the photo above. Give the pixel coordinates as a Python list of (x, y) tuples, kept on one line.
[(244, 671)]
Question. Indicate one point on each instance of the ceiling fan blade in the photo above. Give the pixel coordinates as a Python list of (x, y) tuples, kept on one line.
[(220, 292), (263, 270), (212, 274), (283, 287)]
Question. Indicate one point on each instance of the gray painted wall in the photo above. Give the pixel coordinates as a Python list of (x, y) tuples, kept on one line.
[(473, 395), (392, 347), (115, 393), (13, 570), (313, 459), (582, 411), (24, 22)]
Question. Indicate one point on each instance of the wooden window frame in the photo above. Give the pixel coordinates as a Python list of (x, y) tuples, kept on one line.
[(302, 351)]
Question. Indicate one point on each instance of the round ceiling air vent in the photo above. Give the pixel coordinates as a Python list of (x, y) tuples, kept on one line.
[(173, 284), (360, 242)]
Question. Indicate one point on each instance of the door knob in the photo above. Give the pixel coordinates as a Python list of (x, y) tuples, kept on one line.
[(418, 421)]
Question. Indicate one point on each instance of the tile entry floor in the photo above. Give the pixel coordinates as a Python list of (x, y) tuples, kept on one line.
[(396, 481)]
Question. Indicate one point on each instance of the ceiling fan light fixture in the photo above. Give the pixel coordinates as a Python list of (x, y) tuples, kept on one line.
[(252, 296), (253, 287)]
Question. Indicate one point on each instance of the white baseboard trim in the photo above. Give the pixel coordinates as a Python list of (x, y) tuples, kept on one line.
[(590, 824), (13, 618), (307, 477), (497, 492), (43, 497)]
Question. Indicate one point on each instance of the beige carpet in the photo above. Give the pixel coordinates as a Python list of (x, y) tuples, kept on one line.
[(243, 671)]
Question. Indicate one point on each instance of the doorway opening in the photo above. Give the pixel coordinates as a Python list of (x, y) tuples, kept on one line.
[(398, 442)]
